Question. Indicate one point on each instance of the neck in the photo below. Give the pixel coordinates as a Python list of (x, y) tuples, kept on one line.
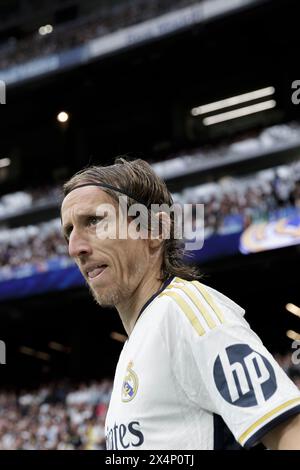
[(129, 310)]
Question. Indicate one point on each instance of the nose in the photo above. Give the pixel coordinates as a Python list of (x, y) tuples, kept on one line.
[(78, 244)]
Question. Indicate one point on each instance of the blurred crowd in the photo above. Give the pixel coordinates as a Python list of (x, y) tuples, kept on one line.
[(34, 198), (78, 32), (253, 143), (28, 250), (57, 416), (246, 145), (230, 206), (64, 416)]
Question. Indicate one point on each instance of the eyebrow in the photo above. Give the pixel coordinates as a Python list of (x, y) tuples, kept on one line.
[(81, 218)]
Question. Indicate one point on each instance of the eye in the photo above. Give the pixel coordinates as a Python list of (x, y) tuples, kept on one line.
[(67, 233), (94, 220)]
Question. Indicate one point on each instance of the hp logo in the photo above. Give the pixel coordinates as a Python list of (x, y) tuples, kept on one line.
[(243, 376)]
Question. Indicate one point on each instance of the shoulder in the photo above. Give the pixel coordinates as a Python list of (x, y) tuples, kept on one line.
[(198, 306)]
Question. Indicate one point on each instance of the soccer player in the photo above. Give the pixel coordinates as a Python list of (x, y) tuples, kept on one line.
[(191, 361)]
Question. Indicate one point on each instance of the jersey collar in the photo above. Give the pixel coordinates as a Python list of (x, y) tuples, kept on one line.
[(165, 284)]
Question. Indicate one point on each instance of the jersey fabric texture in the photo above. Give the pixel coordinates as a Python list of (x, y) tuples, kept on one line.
[(190, 360)]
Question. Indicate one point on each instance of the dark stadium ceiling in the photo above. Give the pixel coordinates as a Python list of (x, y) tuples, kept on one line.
[(140, 101), (17, 16)]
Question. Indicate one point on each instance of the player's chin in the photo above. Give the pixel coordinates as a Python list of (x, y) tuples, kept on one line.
[(105, 296), (104, 299)]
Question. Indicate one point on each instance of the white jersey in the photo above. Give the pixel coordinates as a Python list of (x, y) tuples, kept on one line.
[(191, 359)]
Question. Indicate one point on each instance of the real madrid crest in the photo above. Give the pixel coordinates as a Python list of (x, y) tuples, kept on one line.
[(130, 384)]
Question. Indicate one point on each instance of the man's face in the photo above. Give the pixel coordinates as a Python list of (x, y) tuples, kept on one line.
[(113, 268)]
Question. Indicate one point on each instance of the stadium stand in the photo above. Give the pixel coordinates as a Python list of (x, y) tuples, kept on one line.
[(231, 205), (245, 171), (63, 416), (57, 416), (77, 32)]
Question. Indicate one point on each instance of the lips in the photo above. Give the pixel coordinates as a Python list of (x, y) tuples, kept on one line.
[(95, 270)]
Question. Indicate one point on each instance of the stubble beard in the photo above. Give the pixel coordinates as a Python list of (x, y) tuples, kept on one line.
[(118, 293), (111, 297)]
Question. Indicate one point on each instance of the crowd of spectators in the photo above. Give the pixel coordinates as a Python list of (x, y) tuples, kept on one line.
[(230, 206), (57, 416), (28, 250), (64, 416), (21, 201), (257, 142), (247, 145), (78, 32)]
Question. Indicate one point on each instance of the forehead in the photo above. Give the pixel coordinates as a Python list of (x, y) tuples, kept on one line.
[(82, 200)]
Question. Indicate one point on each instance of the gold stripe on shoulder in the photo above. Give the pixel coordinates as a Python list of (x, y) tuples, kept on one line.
[(200, 307), (209, 300), (186, 310), (264, 418)]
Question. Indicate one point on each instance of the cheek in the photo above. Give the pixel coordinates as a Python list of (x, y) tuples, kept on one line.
[(134, 259), (139, 256)]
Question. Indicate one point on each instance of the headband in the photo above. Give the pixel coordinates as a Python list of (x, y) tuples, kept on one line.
[(108, 186)]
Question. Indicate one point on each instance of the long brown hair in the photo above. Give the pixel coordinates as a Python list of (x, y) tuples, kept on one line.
[(138, 179)]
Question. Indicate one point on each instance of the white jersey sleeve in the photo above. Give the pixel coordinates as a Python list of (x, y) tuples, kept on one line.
[(222, 365)]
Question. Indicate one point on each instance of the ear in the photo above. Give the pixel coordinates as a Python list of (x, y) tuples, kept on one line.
[(161, 229)]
